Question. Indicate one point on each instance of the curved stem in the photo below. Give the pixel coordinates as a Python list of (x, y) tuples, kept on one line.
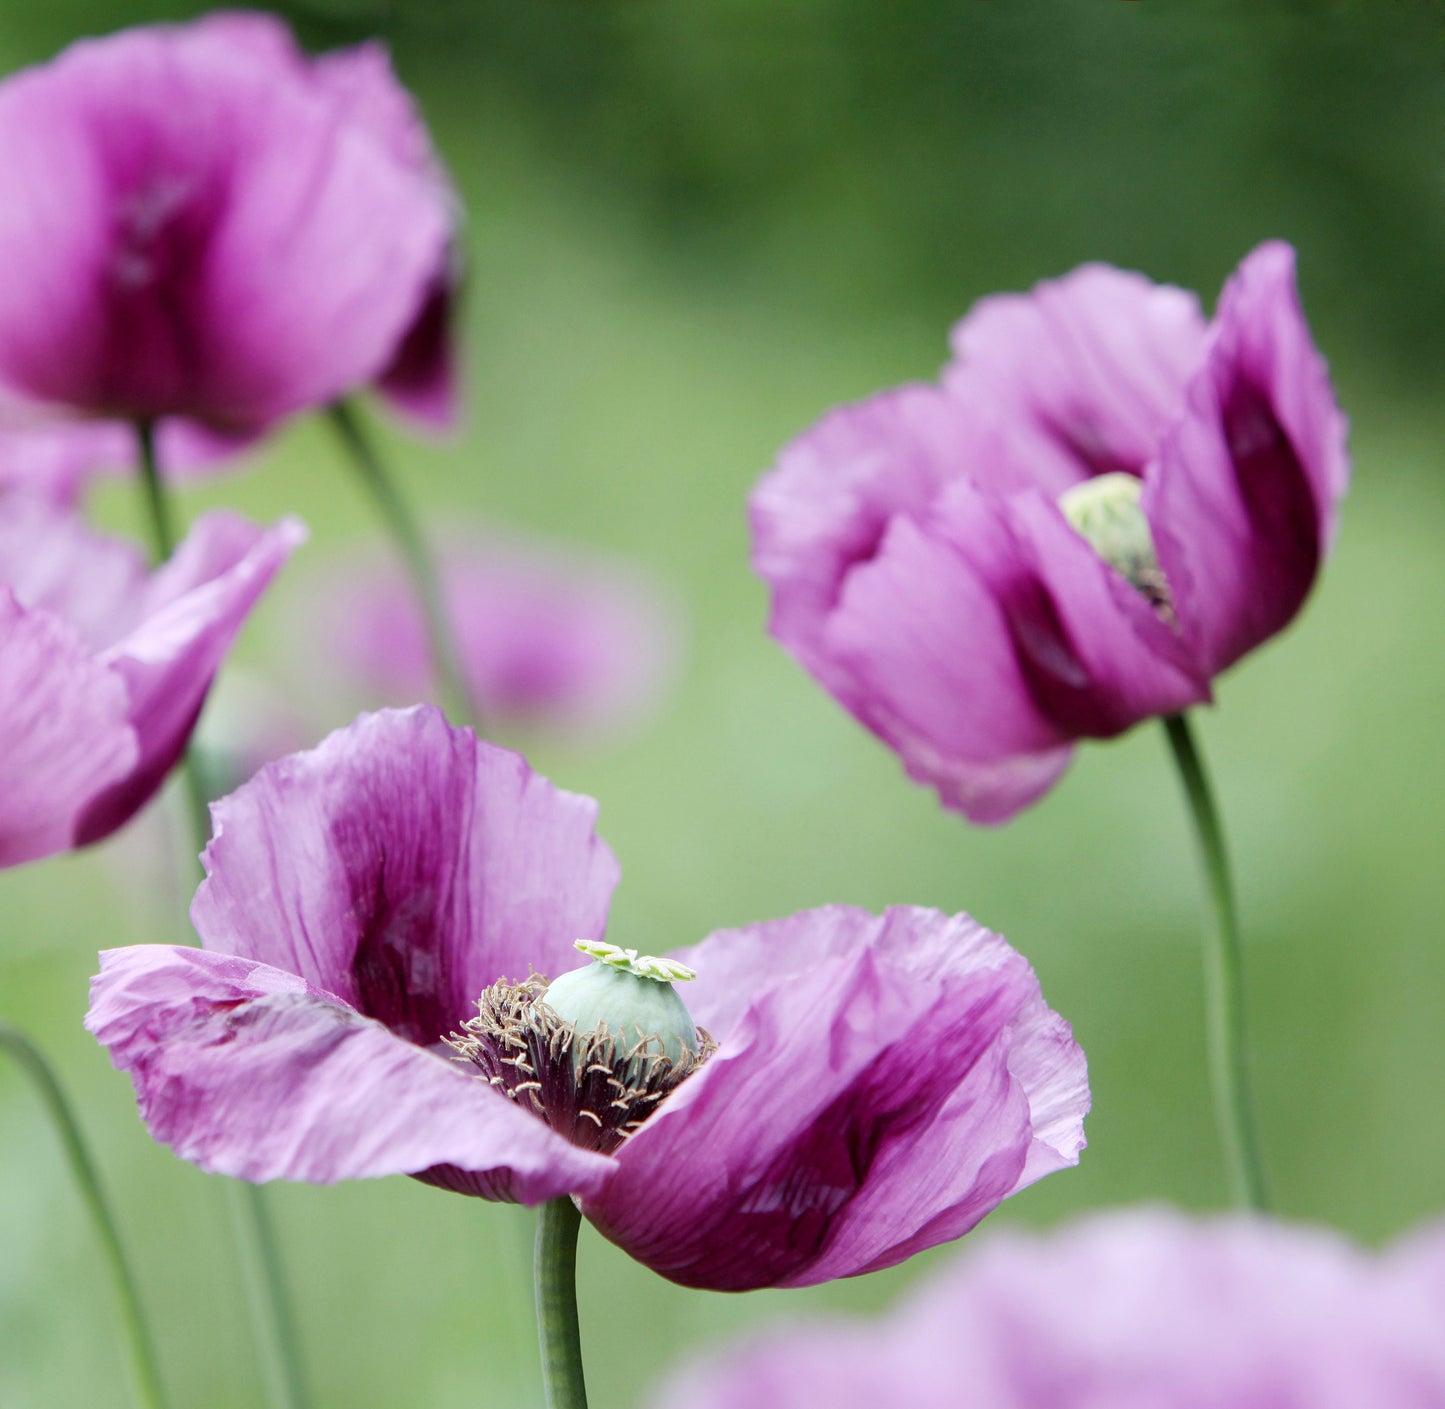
[(556, 1278), (148, 1391), (273, 1325), (1223, 978), (411, 543)]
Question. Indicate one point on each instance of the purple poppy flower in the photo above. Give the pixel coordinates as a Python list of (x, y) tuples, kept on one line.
[(192, 225), (1123, 1310), (1106, 503), (104, 666), (872, 1086), (547, 639)]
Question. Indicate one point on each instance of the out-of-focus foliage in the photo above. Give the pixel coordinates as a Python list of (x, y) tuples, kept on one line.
[(694, 224)]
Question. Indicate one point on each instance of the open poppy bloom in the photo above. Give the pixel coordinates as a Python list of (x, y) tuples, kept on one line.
[(194, 222), (1106, 503), (1141, 1307), (389, 984), (104, 664)]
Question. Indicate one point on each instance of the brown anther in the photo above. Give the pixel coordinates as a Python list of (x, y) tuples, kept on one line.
[(587, 1086)]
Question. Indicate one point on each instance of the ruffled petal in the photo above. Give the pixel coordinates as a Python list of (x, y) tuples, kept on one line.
[(933, 669), (195, 606), (64, 735), (868, 1099), (189, 229), (405, 866), (1087, 371), (1243, 498), (826, 507), (246, 1070)]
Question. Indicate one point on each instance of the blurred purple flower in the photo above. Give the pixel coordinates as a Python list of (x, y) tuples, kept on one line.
[(196, 222), (1138, 1309), (57, 461), (547, 639), (879, 1084), (104, 666), (1106, 503)]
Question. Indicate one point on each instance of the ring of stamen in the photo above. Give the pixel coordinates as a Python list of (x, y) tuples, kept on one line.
[(593, 1088)]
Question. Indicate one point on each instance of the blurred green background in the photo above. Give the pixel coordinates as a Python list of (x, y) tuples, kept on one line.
[(694, 225)]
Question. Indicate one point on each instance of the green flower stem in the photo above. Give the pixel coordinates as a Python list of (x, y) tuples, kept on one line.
[(267, 1296), (148, 1391), (161, 523), (273, 1324), (1223, 979), (415, 552), (556, 1277)]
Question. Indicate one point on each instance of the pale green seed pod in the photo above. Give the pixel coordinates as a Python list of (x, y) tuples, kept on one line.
[(631, 997)]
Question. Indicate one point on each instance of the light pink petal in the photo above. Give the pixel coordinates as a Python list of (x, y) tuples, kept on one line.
[(64, 734), (250, 1071), (862, 1103), (1137, 1309), (1087, 370), (405, 866), (194, 607), (1244, 495), (53, 561)]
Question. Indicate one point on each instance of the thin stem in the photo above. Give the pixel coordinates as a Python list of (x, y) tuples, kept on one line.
[(273, 1324), (267, 1297), (158, 509), (148, 1391), (555, 1272), (1223, 979), (416, 554), (161, 525)]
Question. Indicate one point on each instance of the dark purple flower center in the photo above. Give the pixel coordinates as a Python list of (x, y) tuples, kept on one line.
[(592, 1088)]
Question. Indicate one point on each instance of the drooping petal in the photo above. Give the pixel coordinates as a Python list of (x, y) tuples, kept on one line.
[(826, 507), (932, 668), (191, 230), (405, 866), (1087, 370), (1242, 500), (246, 1070), (869, 1098), (64, 735), (194, 607)]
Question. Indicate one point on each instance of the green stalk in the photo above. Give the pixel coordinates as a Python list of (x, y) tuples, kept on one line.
[(273, 1323), (267, 1295), (1223, 979), (556, 1278), (148, 1391), (416, 554)]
